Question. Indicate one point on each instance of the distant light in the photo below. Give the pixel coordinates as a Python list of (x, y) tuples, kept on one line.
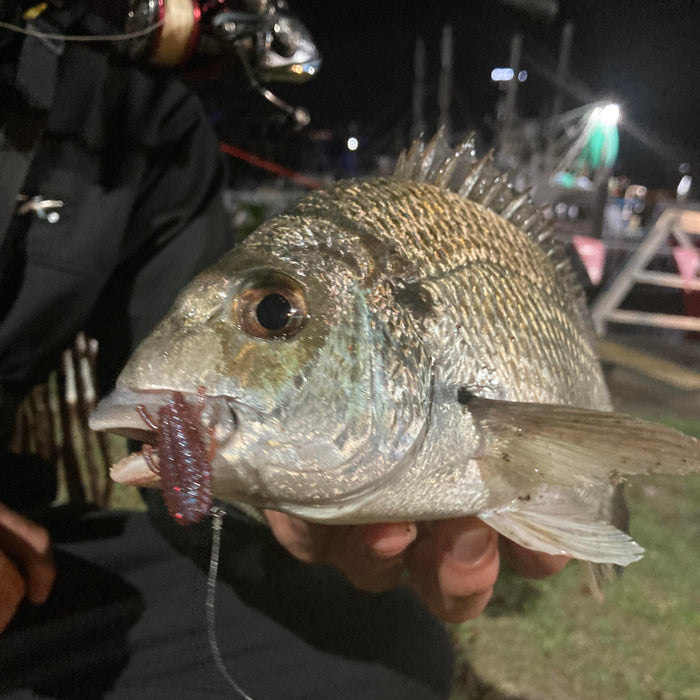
[(522, 76), (353, 143), (684, 186), (303, 68), (502, 75), (610, 114)]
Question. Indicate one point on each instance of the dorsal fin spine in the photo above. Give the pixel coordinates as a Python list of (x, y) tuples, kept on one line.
[(429, 156), (465, 152), (516, 203), (474, 175)]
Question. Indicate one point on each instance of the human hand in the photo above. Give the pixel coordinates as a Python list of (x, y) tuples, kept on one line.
[(452, 564), (26, 565)]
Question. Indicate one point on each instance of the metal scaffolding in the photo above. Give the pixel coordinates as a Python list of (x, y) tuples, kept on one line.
[(680, 224)]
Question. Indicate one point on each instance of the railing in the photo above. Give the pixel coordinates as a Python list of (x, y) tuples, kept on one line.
[(682, 225)]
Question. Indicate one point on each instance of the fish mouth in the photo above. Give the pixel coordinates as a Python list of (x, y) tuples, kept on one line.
[(133, 414)]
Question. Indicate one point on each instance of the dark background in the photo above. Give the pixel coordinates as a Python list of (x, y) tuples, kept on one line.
[(645, 55)]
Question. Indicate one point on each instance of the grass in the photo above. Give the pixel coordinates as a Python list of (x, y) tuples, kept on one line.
[(549, 639)]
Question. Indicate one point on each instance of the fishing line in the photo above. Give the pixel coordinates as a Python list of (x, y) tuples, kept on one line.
[(217, 520), (82, 37)]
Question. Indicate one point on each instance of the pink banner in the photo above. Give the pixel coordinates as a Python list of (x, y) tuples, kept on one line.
[(688, 261), (592, 254)]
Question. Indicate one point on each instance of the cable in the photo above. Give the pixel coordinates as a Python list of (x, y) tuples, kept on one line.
[(82, 37), (300, 179)]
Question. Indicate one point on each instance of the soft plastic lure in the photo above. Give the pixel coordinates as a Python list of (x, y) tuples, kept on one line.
[(183, 461)]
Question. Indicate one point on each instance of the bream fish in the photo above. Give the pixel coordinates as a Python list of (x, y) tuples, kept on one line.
[(405, 348)]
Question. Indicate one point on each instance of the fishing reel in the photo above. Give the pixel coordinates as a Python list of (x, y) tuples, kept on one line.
[(195, 35), (270, 42)]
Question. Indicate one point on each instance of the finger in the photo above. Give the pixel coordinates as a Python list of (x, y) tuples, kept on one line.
[(40, 576), (368, 555), (531, 564), (385, 540), (306, 541), (453, 568), (29, 545), (12, 587), (371, 556)]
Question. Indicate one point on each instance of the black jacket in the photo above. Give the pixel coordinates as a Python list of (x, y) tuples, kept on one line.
[(129, 152)]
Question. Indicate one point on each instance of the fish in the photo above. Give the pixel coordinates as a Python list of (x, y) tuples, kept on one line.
[(411, 347)]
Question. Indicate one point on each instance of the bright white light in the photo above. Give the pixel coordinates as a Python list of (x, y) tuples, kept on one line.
[(610, 114), (353, 143), (499, 75), (522, 76), (684, 186)]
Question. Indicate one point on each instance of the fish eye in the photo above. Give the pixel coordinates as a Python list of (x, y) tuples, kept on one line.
[(271, 305), (274, 312)]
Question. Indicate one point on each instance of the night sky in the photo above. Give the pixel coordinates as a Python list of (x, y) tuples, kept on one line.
[(643, 54)]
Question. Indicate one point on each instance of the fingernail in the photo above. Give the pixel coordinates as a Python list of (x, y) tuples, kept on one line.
[(471, 545), (389, 539)]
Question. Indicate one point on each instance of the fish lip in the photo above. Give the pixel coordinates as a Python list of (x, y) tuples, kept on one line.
[(132, 470), (117, 413)]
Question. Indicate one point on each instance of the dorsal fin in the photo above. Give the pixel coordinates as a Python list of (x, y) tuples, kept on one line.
[(479, 180)]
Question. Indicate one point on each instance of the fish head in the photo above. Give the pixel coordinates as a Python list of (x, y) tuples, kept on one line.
[(314, 388)]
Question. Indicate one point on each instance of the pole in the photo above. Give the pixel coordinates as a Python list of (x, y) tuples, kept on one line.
[(562, 71), (417, 111), (445, 84), (516, 47)]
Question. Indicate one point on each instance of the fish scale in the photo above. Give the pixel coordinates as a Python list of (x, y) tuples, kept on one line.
[(435, 360)]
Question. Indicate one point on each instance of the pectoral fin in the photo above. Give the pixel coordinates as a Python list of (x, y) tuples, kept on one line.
[(562, 527), (575, 447)]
